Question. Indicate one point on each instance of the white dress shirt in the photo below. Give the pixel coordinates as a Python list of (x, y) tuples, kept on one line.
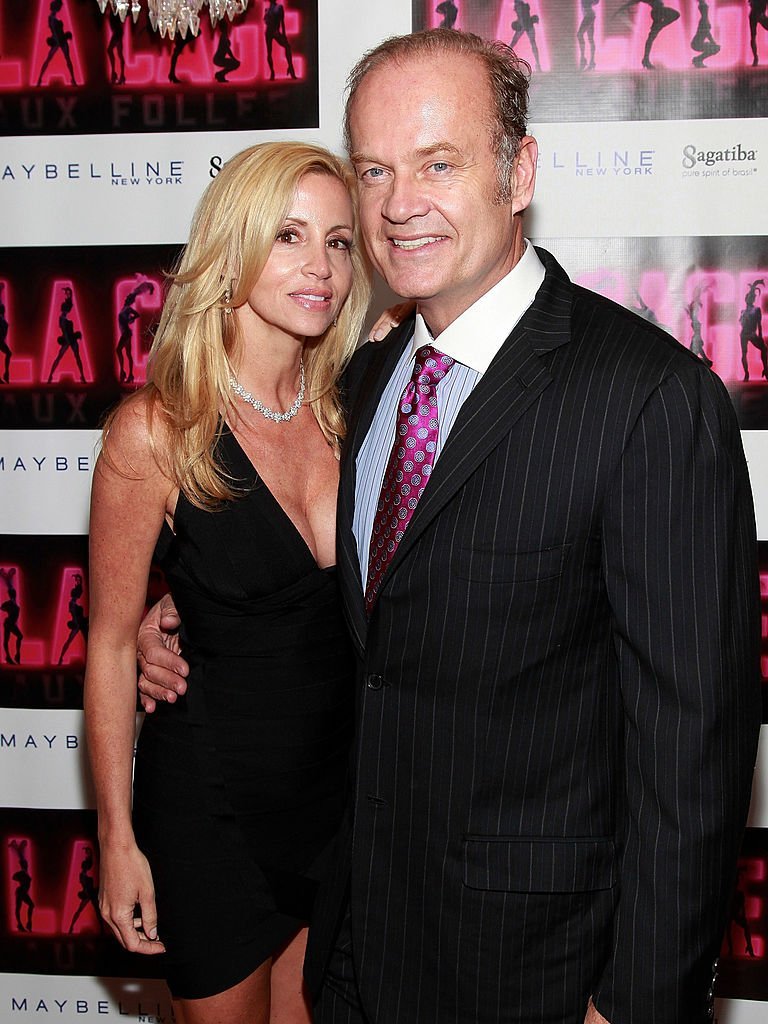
[(473, 339)]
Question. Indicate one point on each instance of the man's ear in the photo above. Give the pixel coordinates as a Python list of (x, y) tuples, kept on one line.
[(524, 174)]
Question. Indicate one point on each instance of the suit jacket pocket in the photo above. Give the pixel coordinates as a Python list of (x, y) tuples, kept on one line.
[(539, 864), (485, 564)]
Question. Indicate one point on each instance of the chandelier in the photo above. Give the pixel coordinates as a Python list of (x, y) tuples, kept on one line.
[(171, 16)]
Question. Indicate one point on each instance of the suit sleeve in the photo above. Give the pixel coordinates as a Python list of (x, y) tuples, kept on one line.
[(680, 564)]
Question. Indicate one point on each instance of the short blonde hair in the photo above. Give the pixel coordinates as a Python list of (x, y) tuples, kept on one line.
[(232, 234)]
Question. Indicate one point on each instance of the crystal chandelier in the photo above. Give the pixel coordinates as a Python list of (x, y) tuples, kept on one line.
[(171, 16)]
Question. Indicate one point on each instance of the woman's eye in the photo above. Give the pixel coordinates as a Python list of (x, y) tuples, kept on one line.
[(287, 235), (340, 243)]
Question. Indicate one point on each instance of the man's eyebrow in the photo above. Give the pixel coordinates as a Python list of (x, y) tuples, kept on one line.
[(420, 154), (438, 147)]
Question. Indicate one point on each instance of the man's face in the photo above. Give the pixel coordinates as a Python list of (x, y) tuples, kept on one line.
[(427, 180)]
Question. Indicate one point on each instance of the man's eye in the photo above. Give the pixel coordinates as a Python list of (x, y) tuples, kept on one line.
[(440, 165), (373, 172)]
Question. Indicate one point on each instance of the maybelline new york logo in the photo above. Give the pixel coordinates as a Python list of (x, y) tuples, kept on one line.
[(618, 162), (122, 173), (28, 1005), (735, 161)]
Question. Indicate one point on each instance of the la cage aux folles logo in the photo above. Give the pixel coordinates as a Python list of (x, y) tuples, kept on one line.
[(75, 331), (625, 59), (44, 614), (66, 68), (49, 917)]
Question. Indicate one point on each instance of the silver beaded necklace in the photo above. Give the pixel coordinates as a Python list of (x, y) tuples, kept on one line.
[(266, 412)]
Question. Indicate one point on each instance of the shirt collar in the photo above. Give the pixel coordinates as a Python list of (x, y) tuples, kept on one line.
[(478, 333)]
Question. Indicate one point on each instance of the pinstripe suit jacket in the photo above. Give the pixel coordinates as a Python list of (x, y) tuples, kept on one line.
[(558, 699)]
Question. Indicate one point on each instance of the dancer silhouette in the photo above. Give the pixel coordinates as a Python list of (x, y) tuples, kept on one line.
[(179, 42), (757, 16), (57, 40), (739, 917), (125, 319), (703, 42), (115, 46), (692, 309), (4, 347), (586, 30), (751, 320), (646, 312), (69, 337), (274, 30), (224, 58), (78, 620), (23, 881), (449, 11), (661, 17), (11, 621), (525, 24), (89, 893)]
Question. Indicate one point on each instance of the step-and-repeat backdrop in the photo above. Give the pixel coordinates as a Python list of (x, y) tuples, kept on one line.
[(652, 182)]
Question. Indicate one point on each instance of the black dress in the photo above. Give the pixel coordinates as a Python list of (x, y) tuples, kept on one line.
[(239, 786)]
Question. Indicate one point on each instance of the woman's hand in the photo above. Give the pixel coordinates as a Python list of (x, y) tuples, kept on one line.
[(389, 319), (127, 898)]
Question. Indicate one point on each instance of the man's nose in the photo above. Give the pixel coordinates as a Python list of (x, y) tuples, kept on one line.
[(405, 199)]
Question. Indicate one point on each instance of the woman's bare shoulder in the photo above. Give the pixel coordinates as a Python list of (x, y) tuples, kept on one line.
[(137, 436)]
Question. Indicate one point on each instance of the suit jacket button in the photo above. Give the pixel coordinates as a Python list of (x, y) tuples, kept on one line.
[(375, 682)]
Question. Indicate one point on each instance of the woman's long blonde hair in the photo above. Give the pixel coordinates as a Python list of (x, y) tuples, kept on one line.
[(197, 342)]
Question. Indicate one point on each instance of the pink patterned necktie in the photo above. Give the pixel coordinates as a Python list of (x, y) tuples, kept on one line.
[(410, 464)]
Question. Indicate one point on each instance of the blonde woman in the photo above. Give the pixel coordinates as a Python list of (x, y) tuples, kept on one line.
[(226, 465)]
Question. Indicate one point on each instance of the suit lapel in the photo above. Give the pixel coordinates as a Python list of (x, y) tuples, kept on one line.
[(516, 377)]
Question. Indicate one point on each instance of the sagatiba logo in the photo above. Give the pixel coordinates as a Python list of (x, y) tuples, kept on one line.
[(736, 161), (153, 173)]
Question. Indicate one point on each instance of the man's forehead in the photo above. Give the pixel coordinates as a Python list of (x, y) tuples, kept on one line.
[(424, 80)]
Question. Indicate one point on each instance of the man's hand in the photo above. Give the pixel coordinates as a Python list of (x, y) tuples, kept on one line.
[(163, 670), (593, 1016)]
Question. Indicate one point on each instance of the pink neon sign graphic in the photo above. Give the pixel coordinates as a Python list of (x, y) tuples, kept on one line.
[(25, 914), (136, 301), (19, 369), (522, 24), (710, 313), (199, 61), (66, 350), (18, 647), (80, 910), (55, 53), (70, 630)]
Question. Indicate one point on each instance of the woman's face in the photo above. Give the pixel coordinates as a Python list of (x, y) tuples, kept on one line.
[(308, 274)]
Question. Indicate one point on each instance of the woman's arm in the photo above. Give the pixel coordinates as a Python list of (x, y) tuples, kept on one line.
[(129, 499)]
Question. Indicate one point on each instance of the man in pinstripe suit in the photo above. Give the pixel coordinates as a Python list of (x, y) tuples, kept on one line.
[(558, 701)]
